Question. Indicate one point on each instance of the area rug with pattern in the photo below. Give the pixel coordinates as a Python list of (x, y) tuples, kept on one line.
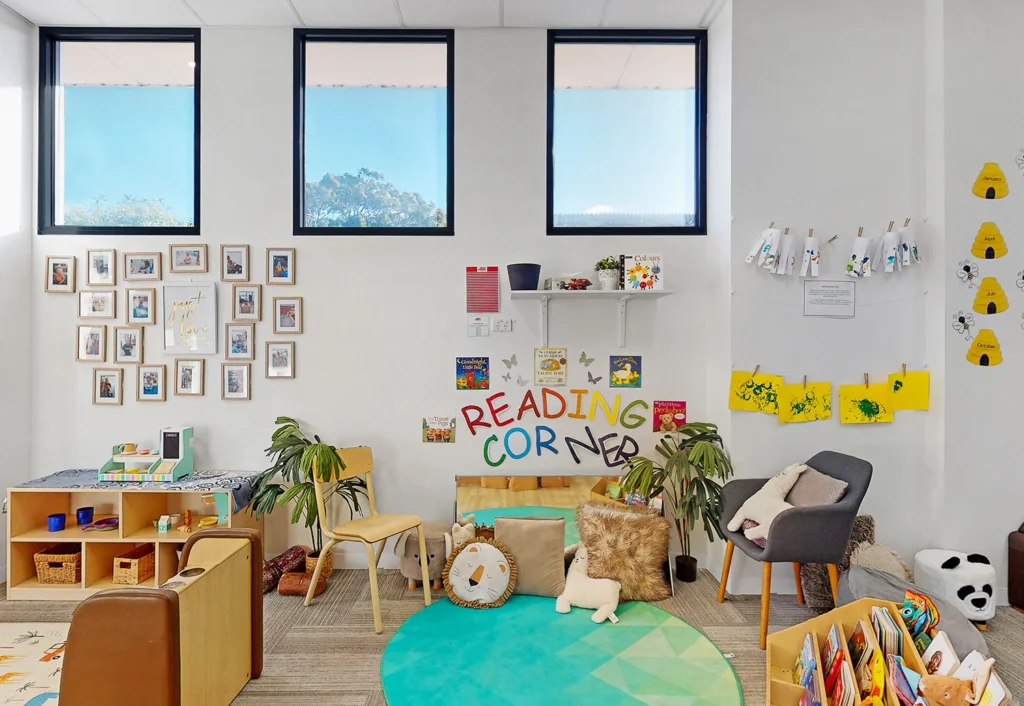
[(526, 653), (31, 655)]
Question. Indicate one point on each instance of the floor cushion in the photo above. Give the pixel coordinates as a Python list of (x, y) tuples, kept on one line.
[(538, 546), (628, 545)]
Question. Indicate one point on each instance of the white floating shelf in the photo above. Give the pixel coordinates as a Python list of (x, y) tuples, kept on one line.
[(546, 295)]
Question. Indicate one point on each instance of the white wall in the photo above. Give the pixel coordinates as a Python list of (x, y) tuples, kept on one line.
[(827, 118), (384, 317), (17, 45)]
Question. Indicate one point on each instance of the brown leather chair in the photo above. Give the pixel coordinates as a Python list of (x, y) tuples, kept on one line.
[(1016, 569), (125, 645)]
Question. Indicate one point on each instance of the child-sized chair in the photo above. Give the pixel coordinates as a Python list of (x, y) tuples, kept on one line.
[(358, 461)]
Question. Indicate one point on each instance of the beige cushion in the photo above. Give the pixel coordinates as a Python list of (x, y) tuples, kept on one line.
[(627, 545), (538, 546), (815, 488)]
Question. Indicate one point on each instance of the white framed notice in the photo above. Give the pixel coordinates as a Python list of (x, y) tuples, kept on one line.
[(837, 300), (190, 319)]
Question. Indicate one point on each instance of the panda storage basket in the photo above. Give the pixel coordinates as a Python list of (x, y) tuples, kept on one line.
[(784, 647)]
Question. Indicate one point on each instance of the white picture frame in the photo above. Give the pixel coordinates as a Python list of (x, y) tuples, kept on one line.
[(188, 376), (287, 315), (239, 341), (141, 266), (235, 381), (107, 386), (97, 304), (129, 345), (234, 263), (188, 258), (60, 274), (91, 344), (152, 383), (140, 306), (190, 319), (280, 265), (280, 359), (101, 268)]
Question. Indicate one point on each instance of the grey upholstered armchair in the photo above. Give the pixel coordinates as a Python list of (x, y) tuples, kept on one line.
[(801, 535)]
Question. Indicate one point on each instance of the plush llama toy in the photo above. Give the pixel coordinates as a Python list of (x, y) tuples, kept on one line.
[(464, 530), (601, 595)]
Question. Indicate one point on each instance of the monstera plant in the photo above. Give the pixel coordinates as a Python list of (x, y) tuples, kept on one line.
[(689, 475)]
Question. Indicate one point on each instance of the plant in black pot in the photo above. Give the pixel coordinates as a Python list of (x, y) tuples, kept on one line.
[(293, 456), (689, 477)]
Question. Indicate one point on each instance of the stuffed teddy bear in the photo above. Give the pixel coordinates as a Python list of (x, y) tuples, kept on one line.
[(463, 530), (941, 690), (585, 592), (439, 546)]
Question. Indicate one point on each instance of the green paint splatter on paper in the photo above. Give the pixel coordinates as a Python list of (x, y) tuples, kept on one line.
[(869, 409), (897, 385), (763, 394)]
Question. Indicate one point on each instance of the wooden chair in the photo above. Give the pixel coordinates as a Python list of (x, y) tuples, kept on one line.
[(358, 461)]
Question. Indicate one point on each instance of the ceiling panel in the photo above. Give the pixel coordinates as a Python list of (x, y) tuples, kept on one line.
[(244, 12), (142, 13), (655, 13), (450, 13), (53, 12), (553, 13), (348, 13)]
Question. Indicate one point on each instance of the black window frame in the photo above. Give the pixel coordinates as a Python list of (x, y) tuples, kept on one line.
[(394, 36), (49, 73), (696, 37)]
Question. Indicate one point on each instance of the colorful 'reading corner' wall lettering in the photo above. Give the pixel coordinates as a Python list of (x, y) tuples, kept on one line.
[(517, 442)]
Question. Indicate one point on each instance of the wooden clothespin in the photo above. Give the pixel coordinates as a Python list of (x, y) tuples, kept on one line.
[(805, 382), (904, 370), (866, 381), (786, 232), (830, 240), (890, 226), (756, 368), (860, 231), (906, 223), (771, 225), (810, 232)]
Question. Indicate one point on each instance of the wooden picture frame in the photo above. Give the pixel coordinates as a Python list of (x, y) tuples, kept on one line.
[(143, 380), (101, 268), (137, 316), (198, 375), (280, 266), (101, 376), (247, 352), (60, 281), (141, 266), (188, 258), (272, 349), (87, 304), (226, 383), (248, 308), (84, 345), (235, 271), (120, 345), (284, 317)]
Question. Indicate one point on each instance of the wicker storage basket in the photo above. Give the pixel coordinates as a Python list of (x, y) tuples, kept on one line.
[(61, 563), (135, 566)]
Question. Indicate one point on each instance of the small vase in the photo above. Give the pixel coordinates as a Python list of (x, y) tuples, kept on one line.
[(523, 276), (686, 568), (609, 280), (328, 564)]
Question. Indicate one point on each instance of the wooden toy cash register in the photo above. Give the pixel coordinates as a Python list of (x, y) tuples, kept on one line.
[(171, 461)]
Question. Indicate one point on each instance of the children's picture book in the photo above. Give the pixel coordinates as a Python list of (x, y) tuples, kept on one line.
[(921, 617), (858, 643), (996, 693), (890, 637), (810, 696), (898, 677), (439, 430), (473, 373), (550, 366), (831, 655), (625, 371), (803, 670), (668, 415), (940, 657), (640, 272)]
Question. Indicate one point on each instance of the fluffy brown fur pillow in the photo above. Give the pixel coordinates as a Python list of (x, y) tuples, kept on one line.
[(627, 545)]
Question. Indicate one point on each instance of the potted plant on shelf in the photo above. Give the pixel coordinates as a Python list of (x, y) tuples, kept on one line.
[(608, 273), (293, 456), (689, 476)]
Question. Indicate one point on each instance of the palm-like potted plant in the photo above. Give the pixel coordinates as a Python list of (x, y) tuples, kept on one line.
[(608, 273), (294, 456), (689, 476)]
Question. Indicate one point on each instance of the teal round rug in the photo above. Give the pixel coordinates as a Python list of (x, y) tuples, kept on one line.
[(524, 653), (572, 533)]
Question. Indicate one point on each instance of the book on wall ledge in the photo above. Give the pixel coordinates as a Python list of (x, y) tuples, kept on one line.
[(641, 272)]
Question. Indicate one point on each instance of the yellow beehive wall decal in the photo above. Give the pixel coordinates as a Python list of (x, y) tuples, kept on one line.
[(991, 182), (985, 350), (989, 243), (991, 299)]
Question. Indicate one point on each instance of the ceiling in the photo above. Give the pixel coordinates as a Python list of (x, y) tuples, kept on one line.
[(371, 13)]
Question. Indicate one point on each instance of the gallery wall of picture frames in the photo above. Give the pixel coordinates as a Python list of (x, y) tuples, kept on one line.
[(188, 325)]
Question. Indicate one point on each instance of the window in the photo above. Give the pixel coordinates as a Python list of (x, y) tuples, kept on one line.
[(118, 131), (627, 114), (373, 132)]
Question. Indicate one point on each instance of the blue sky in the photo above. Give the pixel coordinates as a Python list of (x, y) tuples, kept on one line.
[(621, 150)]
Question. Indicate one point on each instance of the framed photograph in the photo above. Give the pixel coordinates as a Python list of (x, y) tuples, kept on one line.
[(190, 318), (102, 268), (234, 381), (245, 302), (240, 341), (97, 305), (60, 274), (141, 306), (107, 384), (287, 314), (128, 346), (188, 258), (92, 344), (280, 265), (152, 383), (142, 266), (234, 263), (188, 376), (280, 359)]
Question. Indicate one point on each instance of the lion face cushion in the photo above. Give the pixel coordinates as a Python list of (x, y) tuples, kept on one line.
[(479, 574)]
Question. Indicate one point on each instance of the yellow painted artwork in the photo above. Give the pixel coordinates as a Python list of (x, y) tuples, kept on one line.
[(910, 390), (991, 182), (865, 405), (754, 393), (798, 403)]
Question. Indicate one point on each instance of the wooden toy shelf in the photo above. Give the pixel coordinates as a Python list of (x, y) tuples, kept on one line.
[(784, 647), (28, 508)]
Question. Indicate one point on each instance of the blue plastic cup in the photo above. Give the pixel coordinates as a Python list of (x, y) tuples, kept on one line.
[(84, 515), (56, 521)]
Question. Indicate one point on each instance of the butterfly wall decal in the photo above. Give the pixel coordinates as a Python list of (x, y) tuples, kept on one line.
[(594, 380), (585, 360), (509, 362), (506, 377), (521, 381)]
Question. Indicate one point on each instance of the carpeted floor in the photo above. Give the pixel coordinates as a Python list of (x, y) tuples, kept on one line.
[(328, 653)]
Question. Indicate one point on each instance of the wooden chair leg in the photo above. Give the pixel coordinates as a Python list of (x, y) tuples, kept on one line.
[(423, 566), (378, 625), (319, 567), (766, 599), (729, 546), (380, 550), (799, 583), (833, 578)]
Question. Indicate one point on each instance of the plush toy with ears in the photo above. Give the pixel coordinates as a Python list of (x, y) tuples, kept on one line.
[(950, 691), (439, 546), (601, 595), (463, 530)]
